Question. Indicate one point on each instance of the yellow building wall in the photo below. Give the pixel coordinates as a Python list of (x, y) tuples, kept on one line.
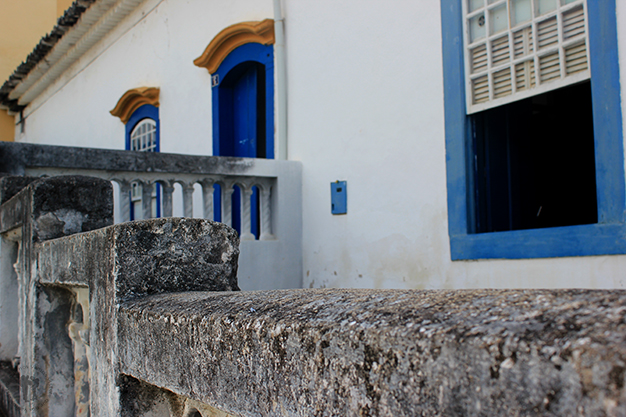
[(22, 24), (7, 126), (63, 5)]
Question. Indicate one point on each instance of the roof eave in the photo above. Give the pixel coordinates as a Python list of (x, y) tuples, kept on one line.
[(84, 24)]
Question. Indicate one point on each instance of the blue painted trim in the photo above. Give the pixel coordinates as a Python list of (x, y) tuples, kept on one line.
[(215, 104), (455, 118), (607, 110), (586, 240), (608, 237), (255, 52)]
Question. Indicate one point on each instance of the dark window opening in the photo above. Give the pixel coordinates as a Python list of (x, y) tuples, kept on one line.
[(534, 164)]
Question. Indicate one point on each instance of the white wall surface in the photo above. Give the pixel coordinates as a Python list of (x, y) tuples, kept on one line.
[(155, 46), (365, 104)]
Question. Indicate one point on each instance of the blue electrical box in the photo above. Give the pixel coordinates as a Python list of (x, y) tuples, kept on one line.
[(339, 197)]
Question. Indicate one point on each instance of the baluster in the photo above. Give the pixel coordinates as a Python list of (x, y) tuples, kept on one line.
[(168, 209), (207, 200), (146, 199), (246, 194), (125, 201), (227, 203), (266, 214), (188, 200)]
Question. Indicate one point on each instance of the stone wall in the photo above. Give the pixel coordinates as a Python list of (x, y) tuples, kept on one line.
[(144, 319), (392, 352)]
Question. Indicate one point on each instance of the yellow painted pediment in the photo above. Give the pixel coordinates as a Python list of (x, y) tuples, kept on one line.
[(232, 37), (133, 99)]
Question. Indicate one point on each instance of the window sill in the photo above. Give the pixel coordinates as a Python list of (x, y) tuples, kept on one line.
[(585, 240)]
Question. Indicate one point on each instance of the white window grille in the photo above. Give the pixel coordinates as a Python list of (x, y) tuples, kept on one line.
[(515, 49), (143, 138)]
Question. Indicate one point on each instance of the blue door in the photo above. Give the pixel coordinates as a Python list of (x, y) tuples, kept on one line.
[(245, 114), (242, 131), (245, 132)]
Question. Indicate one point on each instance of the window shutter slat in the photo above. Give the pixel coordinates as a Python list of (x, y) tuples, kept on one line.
[(479, 59), (523, 42), (502, 83), (525, 75), (500, 51), (573, 23), (576, 58), (549, 67), (547, 33), (480, 89)]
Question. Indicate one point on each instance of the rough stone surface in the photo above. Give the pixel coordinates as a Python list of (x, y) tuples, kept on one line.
[(49, 208), (139, 399), (49, 386), (131, 260), (146, 257), (11, 185), (175, 255), (56, 206), (70, 204), (385, 353)]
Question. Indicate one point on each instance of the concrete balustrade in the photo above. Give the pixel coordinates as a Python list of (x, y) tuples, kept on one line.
[(274, 260), (187, 182)]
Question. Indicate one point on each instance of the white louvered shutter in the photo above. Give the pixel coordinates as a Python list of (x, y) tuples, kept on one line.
[(519, 48)]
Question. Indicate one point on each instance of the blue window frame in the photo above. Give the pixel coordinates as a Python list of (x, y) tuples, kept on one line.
[(606, 237), (243, 116), (140, 115), (146, 111)]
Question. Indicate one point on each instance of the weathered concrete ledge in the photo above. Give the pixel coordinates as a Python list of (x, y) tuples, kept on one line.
[(11, 185), (386, 353), (132, 260), (16, 158), (56, 206), (146, 257)]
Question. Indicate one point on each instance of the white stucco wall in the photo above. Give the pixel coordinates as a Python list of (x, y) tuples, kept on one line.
[(155, 46), (365, 104)]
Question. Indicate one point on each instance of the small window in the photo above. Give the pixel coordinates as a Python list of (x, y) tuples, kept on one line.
[(142, 134), (143, 137)]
